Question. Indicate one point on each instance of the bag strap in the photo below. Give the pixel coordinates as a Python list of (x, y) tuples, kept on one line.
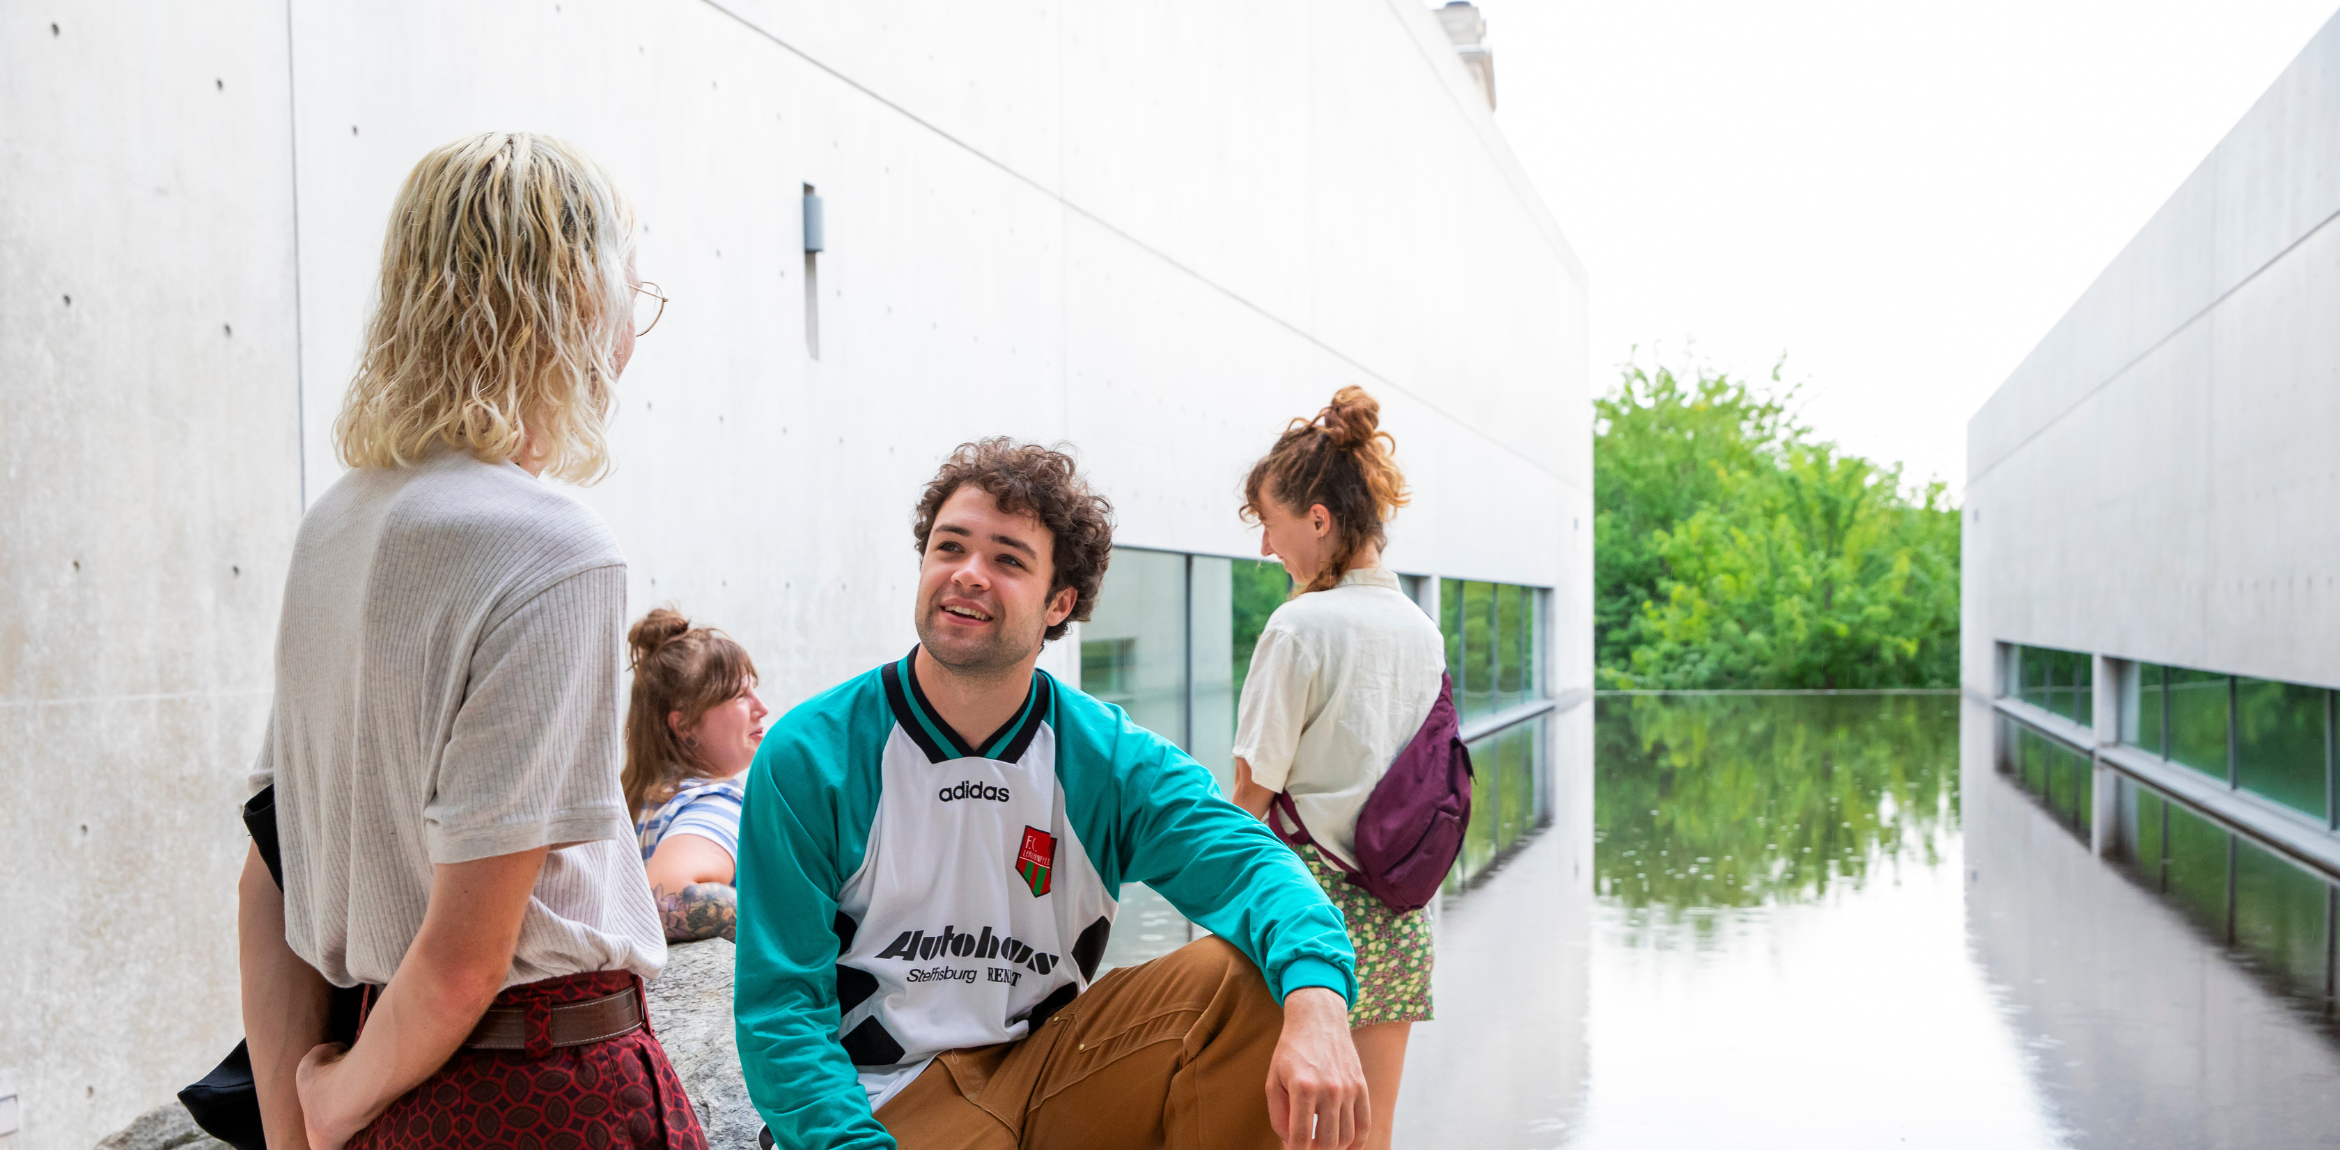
[(1298, 836)]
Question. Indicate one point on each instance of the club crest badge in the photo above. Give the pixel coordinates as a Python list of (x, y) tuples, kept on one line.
[(1035, 858)]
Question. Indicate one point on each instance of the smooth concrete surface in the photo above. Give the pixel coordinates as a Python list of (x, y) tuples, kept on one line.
[(149, 440), (1154, 232), (2140, 1032), (2155, 481)]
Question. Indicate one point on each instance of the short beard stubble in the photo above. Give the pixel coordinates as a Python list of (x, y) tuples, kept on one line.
[(1006, 650)]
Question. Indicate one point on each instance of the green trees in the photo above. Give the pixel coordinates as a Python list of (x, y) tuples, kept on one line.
[(1733, 551)]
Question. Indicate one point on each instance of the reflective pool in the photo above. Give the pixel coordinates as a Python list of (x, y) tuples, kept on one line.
[(1779, 918), (1834, 921)]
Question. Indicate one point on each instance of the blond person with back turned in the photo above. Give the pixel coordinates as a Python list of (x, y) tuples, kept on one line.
[(443, 741), (1344, 675)]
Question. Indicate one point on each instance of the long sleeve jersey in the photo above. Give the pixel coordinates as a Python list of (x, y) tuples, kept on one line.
[(902, 893)]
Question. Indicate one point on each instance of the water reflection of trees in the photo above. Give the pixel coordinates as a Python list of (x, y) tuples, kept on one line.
[(1738, 801)]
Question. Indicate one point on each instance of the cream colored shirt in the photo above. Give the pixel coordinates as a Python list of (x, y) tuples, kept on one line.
[(1340, 682), (447, 690)]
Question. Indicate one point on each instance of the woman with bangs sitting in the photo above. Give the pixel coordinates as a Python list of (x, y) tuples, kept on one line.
[(692, 728)]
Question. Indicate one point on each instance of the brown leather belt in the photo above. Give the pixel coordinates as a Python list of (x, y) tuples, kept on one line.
[(569, 1024)]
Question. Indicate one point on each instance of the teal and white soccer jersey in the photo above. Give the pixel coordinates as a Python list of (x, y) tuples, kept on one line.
[(975, 914), (902, 893)]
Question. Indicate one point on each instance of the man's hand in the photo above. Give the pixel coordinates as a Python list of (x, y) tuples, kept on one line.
[(1315, 1086)]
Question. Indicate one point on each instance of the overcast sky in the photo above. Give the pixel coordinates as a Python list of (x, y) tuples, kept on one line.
[(1900, 197)]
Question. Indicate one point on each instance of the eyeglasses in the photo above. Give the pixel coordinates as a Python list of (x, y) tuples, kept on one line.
[(649, 305)]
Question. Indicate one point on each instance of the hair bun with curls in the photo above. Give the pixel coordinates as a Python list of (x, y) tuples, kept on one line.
[(661, 626), (1352, 419), (680, 673), (1341, 460)]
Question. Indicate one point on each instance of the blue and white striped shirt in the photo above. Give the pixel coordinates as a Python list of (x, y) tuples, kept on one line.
[(708, 808)]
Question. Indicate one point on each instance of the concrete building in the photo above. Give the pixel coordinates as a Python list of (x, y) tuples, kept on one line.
[(2152, 566), (1156, 232), (1468, 29)]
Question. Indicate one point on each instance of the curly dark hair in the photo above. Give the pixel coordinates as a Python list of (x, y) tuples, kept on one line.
[(1026, 478)]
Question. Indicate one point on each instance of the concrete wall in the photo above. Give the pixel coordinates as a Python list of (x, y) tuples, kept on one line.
[(148, 335), (1156, 231), (2156, 481)]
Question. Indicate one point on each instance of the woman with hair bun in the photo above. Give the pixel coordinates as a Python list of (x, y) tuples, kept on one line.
[(692, 729), (1344, 676)]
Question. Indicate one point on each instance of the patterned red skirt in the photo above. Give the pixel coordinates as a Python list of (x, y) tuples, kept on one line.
[(618, 1093)]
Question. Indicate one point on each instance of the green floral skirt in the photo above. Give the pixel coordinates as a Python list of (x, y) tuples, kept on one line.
[(1393, 950)]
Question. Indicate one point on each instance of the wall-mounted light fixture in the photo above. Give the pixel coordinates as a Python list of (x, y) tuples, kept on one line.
[(815, 239)]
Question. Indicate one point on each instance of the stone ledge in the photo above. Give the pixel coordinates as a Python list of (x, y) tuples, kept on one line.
[(690, 1008), (166, 1127)]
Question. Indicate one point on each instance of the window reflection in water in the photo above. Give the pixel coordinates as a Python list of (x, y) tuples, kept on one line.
[(2059, 776), (2172, 992), (2276, 916)]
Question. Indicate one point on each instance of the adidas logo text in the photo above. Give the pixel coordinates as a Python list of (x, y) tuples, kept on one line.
[(973, 791)]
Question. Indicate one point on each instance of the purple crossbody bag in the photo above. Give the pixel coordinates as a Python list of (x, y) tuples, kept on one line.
[(1411, 827)]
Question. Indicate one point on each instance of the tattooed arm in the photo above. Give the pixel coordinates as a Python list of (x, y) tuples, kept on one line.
[(690, 879), (700, 910)]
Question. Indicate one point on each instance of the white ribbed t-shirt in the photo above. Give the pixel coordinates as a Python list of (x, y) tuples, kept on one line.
[(446, 690), (1339, 684)]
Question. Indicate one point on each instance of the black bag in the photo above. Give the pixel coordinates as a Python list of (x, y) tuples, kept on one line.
[(225, 1103)]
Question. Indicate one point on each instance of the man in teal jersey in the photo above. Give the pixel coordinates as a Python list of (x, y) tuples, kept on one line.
[(930, 857)]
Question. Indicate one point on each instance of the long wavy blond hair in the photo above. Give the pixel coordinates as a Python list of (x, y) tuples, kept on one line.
[(504, 288)]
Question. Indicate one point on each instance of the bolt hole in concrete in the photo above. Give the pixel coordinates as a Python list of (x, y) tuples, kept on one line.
[(1831, 975)]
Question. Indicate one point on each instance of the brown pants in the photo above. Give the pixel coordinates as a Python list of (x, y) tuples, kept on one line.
[(1173, 1053)]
